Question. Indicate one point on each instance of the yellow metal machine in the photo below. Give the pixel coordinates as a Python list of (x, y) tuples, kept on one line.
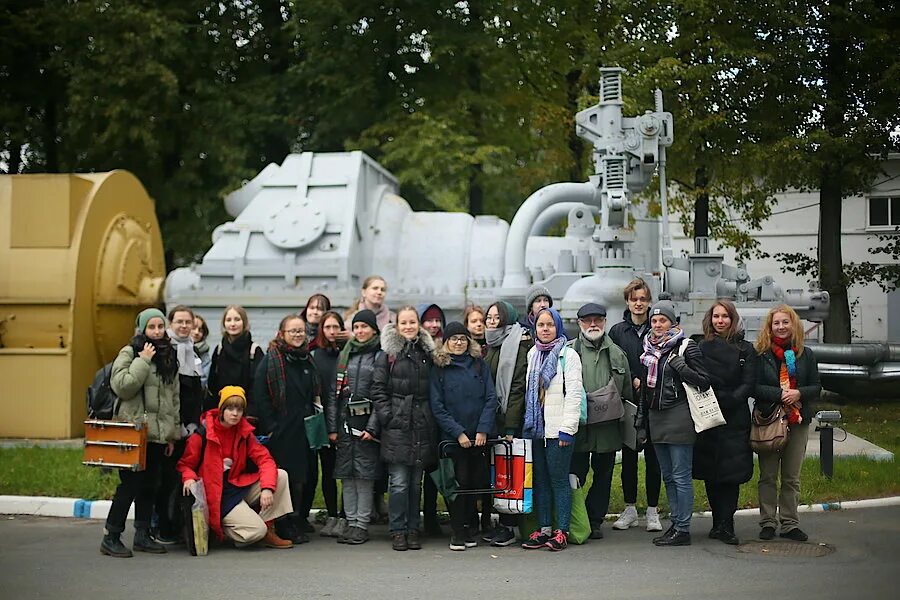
[(79, 256)]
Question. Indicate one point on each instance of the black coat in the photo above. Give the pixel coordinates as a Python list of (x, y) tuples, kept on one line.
[(723, 454), (625, 335), (288, 444), (768, 383), (326, 364), (356, 459), (400, 390)]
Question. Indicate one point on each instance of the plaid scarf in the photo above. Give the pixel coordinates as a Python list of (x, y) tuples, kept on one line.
[(787, 373), (350, 348), (655, 347), (276, 377)]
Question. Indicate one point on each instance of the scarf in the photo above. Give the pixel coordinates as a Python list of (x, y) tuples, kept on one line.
[(276, 376), (187, 358), (541, 370), (655, 347), (507, 339), (787, 373), (201, 347), (350, 348), (234, 360), (165, 359)]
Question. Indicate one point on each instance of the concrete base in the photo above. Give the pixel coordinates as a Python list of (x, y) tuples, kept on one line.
[(850, 445)]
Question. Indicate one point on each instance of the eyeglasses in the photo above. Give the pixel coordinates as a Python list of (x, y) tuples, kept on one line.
[(592, 320), (458, 339), (295, 332), (490, 319)]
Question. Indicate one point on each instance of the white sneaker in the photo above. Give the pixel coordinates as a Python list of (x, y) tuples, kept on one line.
[(628, 518), (653, 523)]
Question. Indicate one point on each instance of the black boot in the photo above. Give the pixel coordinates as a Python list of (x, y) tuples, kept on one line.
[(726, 534), (286, 528), (144, 543), (112, 546)]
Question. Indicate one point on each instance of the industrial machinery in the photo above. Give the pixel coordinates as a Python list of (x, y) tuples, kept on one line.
[(79, 256)]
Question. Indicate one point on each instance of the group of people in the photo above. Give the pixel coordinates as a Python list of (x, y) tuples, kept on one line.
[(403, 392)]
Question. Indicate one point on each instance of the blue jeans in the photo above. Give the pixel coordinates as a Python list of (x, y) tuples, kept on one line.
[(404, 489), (551, 482), (675, 463)]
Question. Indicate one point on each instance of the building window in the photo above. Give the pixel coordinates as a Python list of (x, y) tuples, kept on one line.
[(884, 212)]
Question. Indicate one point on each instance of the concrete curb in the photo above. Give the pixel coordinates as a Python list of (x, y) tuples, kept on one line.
[(44, 506)]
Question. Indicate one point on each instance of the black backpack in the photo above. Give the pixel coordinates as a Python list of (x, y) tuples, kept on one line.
[(102, 402)]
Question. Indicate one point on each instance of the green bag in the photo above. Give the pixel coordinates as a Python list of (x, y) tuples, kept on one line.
[(444, 478), (579, 525), (316, 432)]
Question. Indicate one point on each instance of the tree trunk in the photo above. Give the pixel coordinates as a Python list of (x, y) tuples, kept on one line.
[(701, 203), (831, 260), (575, 143)]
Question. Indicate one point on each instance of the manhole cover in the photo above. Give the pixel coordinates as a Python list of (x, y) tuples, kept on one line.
[(787, 549)]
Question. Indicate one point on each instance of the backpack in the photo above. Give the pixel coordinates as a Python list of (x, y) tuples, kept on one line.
[(102, 402)]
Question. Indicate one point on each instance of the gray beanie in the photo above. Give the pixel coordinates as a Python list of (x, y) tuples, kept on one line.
[(534, 292), (665, 308)]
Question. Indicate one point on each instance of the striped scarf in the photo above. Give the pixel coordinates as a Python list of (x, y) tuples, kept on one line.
[(655, 347), (787, 373)]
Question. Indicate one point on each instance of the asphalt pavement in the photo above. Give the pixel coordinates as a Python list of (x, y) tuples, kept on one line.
[(42, 557)]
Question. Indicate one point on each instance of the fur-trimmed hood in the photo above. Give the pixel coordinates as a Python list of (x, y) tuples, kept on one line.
[(392, 342), (441, 356)]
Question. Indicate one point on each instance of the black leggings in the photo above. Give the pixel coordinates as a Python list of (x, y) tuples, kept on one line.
[(138, 487), (328, 456), (652, 477), (168, 493)]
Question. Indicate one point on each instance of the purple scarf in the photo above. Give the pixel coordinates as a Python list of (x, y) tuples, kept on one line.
[(655, 347)]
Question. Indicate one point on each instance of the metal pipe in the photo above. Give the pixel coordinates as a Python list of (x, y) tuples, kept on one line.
[(553, 214), (515, 275), (856, 354)]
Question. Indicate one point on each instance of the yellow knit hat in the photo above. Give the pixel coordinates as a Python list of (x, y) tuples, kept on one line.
[(230, 391)]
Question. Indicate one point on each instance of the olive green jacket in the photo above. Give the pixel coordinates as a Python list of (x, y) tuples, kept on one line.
[(159, 405), (598, 365)]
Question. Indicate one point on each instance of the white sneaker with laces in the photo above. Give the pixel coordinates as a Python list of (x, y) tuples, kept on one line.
[(653, 523), (628, 518)]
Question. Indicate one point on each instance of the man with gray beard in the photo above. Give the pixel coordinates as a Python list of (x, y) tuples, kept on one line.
[(607, 380)]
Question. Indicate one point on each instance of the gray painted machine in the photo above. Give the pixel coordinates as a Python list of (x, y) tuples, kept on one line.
[(324, 222)]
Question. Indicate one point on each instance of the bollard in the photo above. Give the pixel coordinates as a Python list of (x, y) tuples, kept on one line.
[(827, 420)]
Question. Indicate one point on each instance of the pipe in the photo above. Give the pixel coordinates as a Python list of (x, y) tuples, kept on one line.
[(553, 214), (514, 272), (856, 354)]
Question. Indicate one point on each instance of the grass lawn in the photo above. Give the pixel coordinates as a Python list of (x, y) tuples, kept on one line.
[(59, 472)]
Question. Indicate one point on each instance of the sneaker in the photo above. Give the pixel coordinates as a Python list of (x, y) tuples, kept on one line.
[(398, 542), (653, 523), (272, 540), (412, 540), (628, 518), (471, 542), (767, 533), (328, 529), (112, 546), (677, 538), (489, 535), (536, 540), (144, 543), (795, 534), (356, 536), (340, 528), (669, 532), (558, 541), (457, 543), (506, 537)]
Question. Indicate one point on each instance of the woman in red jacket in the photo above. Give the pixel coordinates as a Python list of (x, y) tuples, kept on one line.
[(243, 504)]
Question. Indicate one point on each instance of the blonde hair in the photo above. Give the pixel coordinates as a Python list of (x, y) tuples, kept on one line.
[(240, 311), (709, 331), (409, 307), (764, 341)]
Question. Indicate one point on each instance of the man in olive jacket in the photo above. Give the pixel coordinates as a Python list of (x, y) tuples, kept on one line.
[(604, 367)]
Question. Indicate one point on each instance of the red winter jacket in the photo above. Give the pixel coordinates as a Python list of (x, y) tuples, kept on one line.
[(212, 468)]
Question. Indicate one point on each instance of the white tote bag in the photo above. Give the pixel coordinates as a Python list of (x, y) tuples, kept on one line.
[(705, 410)]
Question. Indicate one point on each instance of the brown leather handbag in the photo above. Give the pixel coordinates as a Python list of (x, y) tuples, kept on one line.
[(769, 434)]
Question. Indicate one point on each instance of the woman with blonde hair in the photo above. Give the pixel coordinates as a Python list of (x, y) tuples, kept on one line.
[(235, 360), (787, 377), (374, 291)]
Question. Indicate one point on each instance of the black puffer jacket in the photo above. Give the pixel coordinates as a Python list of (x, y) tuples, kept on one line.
[(356, 458), (630, 338), (768, 383), (723, 454), (400, 390)]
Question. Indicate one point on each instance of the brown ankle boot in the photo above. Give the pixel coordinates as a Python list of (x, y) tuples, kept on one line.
[(273, 541)]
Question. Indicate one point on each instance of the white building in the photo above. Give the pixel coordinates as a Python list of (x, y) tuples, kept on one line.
[(793, 227)]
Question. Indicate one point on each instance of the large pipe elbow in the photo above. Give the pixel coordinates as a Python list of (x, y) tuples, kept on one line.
[(553, 214), (515, 274)]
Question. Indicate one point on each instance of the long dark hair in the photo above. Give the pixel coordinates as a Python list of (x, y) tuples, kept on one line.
[(709, 332)]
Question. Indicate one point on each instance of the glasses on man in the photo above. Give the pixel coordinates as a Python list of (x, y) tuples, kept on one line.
[(593, 320), (295, 332)]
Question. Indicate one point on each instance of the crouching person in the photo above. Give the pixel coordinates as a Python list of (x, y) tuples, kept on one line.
[(243, 503)]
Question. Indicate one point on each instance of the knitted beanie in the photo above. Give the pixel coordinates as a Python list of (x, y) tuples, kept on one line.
[(455, 328), (665, 308), (231, 391), (535, 292), (140, 323), (368, 317)]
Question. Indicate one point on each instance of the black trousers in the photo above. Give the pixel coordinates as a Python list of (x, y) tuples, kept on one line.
[(723, 499), (168, 492), (138, 487), (307, 493), (652, 476), (429, 502), (597, 499), (327, 456), (471, 466)]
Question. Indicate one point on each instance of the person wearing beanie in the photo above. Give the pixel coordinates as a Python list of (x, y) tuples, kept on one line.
[(552, 409), (433, 320), (244, 501), (664, 412), (507, 356), (144, 376), (367, 317), (537, 299), (607, 380), (464, 406)]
